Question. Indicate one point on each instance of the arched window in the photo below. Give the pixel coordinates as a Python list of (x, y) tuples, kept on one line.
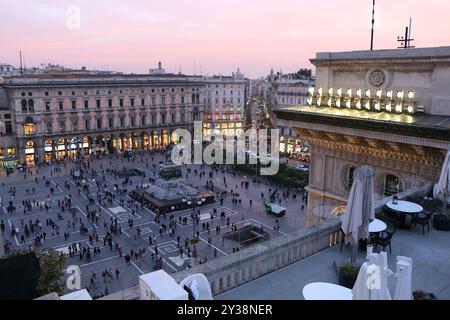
[(348, 176), (24, 106), (195, 114), (30, 105), (392, 185)]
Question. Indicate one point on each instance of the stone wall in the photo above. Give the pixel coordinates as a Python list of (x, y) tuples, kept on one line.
[(231, 271), (236, 269)]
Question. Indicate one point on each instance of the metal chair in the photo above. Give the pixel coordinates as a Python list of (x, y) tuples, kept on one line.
[(423, 219), (383, 238)]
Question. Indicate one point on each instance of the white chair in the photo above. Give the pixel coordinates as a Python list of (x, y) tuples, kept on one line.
[(203, 285)]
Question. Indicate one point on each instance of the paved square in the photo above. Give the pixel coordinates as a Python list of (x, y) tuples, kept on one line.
[(92, 216)]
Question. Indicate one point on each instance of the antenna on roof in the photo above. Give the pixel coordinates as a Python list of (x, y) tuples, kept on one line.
[(21, 65), (405, 42), (373, 26)]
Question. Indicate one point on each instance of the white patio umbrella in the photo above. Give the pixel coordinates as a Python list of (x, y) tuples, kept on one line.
[(403, 287), (360, 208), (443, 185), (372, 280)]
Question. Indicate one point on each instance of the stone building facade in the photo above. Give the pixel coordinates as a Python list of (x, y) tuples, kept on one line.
[(59, 116), (389, 109)]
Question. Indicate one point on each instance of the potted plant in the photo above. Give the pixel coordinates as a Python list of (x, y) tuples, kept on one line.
[(441, 222), (422, 295), (348, 273)]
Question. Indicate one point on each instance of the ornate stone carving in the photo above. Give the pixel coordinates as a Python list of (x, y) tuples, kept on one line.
[(377, 78)]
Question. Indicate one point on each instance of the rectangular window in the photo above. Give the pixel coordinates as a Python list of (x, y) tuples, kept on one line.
[(173, 118), (172, 101), (122, 122), (121, 103), (98, 103), (132, 121), (74, 105), (143, 120), (86, 104), (182, 100), (110, 103), (163, 118), (142, 102), (163, 101), (183, 117), (132, 102), (8, 128), (75, 125), (153, 118), (110, 123), (60, 105), (47, 106), (46, 93), (62, 126), (153, 101), (49, 127), (99, 123)]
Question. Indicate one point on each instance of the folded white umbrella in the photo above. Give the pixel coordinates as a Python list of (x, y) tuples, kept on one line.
[(442, 188), (360, 208)]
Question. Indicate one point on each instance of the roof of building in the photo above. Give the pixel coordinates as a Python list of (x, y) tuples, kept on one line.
[(419, 125), (65, 79), (435, 53)]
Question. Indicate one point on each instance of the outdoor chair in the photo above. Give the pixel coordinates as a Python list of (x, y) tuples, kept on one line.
[(423, 219), (383, 238), (392, 217)]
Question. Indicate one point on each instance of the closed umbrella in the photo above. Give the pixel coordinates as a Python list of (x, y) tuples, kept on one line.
[(372, 280), (360, 209), (443, 186)]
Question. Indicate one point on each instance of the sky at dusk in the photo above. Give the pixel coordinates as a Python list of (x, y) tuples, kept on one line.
[(219, 35)]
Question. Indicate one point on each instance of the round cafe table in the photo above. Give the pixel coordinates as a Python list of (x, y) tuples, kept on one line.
[(377, 226), (326, 291), (405, 206)]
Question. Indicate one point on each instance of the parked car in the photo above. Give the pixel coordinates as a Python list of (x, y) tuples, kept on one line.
[(20, 168)]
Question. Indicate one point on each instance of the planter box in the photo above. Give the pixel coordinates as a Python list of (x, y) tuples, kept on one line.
[(347, 280), (441, 223)]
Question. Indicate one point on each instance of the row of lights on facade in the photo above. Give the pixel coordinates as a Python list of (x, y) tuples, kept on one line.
[(382, 100)]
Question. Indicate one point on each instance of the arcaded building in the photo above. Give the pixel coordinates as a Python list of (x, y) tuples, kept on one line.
[(389, 109), (59, 116)]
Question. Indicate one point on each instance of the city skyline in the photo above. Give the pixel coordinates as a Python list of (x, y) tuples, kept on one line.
[(216, 37)]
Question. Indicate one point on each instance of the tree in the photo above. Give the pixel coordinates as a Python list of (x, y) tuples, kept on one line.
[(304, 74), (52, 265)]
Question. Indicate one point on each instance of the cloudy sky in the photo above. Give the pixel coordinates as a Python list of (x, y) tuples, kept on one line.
[(218, 35)]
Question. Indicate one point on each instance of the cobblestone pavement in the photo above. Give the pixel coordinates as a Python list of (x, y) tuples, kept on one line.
[(124, 208)]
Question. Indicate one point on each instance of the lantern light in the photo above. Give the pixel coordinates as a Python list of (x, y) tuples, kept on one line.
[(368, 93), (311, 90), (330, 91), (378, 106), (358, 105), (338, 103), (411, 95), (359, 93), (389, 94), (319, 101), (329, 102), (320, 91), (339, 92), (410, 109), (400, 94), (379, 93), (349, 92), (348, 104), (398, 108), (367, 105), (389, 107), (310, 101)]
